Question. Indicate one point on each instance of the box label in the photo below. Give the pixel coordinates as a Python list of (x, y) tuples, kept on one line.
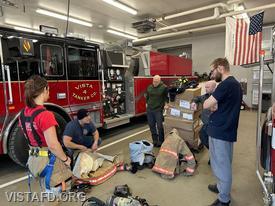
[(185, 104), (187, 116), (175, 112)]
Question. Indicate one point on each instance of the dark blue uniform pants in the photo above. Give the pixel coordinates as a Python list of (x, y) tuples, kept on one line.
[(204, 136), (155, 121)]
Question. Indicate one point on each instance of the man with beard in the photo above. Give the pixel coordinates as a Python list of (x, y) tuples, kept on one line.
[(222, 128)]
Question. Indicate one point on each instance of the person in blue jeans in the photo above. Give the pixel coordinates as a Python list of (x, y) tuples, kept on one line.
[(156, 101), (225, 102), (81, 133)]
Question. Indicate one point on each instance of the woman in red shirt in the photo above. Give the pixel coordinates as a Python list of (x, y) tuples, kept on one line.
[(45, 139)]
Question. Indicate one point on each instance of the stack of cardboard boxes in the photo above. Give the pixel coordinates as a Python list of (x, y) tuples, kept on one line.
[(186, 121)]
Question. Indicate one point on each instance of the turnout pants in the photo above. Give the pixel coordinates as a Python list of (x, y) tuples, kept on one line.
[(221, 153), (155, 121)]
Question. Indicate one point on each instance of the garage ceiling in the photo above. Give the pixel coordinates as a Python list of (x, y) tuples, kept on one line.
[(104, 16)]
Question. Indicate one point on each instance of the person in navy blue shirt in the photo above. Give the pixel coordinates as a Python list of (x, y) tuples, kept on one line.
[(81, 133), (225, 103)]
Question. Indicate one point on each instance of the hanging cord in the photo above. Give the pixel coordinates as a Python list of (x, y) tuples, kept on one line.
[(68, 15)]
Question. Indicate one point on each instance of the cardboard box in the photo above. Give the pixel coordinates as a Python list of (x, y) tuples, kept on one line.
[(189, 94), (183, 113), (181, 123), (191, 137)]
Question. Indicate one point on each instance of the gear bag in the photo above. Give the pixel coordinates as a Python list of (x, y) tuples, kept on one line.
[(139, 151)]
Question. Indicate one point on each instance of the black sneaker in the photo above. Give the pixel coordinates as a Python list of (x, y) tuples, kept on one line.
[(213, 188), (219, 203)]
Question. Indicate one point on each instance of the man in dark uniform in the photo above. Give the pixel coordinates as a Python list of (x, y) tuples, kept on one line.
[(222, 128), (156, 100), (81, 133)]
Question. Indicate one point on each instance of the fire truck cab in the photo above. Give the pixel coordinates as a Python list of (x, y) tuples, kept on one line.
[(71, 68)]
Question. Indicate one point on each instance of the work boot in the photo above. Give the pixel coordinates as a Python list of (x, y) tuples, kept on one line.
[(219, 203), (213, 188)]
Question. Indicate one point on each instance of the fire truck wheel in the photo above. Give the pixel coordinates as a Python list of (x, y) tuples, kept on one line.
[(18, 145)]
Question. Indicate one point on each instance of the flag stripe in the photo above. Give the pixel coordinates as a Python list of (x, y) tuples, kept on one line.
[(256, 47), (248, 50), (253, 49), (260, 40), (244, 46), (236, 42), (245, 43), (240, 42)]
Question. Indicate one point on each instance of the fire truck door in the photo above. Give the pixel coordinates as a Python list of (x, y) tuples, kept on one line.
[(11, 89), (3, 100), (53, 69), (18, 71), (84, 85)]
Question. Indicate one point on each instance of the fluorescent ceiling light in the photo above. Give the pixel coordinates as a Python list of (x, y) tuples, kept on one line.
[(118, 33), (95, 41), (63, 17), (27, 30), (121, 6)]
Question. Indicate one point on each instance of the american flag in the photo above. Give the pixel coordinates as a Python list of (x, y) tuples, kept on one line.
[(244, 40)]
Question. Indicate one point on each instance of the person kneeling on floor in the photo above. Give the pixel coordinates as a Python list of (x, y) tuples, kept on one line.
[(81, 134)]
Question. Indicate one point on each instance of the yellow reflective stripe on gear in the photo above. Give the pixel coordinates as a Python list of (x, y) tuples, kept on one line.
[(40, 153), (43, 154)]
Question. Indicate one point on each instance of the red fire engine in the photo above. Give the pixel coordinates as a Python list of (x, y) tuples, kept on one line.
[(79, 76)]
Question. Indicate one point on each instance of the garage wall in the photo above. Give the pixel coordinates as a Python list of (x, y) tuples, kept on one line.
[(204, 50)]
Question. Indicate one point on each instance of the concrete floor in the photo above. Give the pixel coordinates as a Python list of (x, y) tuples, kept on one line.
[(182, 191)]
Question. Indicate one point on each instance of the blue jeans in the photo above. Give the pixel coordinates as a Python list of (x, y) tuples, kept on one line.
[(88, 141), (221, 154), (155, 121)]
